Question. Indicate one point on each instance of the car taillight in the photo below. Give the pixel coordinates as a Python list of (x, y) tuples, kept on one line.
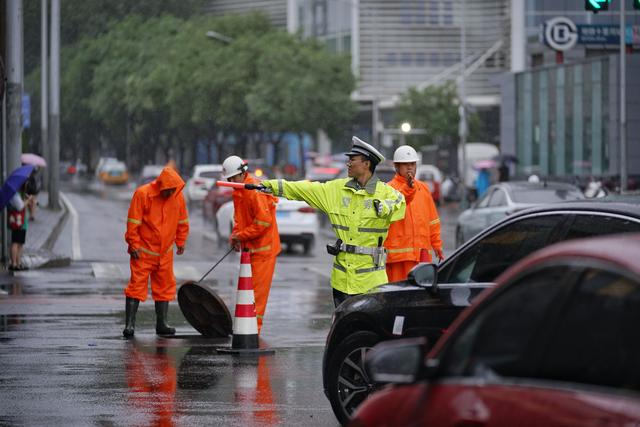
[(307, 209)]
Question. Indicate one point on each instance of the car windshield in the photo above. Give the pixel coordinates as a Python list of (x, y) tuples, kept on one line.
[(549, 195)]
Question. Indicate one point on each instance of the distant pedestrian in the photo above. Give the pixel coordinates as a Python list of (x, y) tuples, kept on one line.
[(411, 239), (19, 213), (483, 181), (503, 172), (157, 220)]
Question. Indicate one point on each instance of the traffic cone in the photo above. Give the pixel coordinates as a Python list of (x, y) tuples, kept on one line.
[(424, 255), (245, 322)]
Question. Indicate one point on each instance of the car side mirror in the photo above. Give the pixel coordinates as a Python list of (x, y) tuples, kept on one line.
[(424, 275), (397, 361)]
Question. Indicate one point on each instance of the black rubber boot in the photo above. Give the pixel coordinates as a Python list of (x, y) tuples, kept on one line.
[(131, 307), (162, 328)]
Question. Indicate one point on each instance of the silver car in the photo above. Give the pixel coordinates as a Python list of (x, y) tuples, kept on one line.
[(506, 198)]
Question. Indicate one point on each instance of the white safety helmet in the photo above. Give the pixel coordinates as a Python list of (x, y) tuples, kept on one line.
[(405, 154), (233, 165)]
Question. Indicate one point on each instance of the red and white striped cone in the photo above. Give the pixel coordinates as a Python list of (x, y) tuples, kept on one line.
[(245, 322)]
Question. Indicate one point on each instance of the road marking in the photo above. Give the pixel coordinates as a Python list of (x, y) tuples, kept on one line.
[(76, 252), (108, 270), (111, 270)]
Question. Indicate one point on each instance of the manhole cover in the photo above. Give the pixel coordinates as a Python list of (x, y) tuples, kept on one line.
[(204, 310)]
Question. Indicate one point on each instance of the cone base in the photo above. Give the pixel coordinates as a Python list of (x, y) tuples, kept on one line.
[(244, 341), (245, 351)]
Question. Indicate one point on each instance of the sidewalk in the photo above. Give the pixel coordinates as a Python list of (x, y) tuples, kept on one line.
[(42, 234)]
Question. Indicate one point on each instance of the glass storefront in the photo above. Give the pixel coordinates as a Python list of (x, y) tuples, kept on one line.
[(562, 119)]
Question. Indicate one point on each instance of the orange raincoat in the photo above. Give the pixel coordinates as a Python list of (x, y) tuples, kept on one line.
[(154, 225), (420, 229), (255, 226)]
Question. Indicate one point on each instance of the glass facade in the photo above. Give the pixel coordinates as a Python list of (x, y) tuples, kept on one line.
[(562, 119)]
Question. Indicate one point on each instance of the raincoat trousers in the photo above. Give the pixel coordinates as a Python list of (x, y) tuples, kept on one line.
[(419, 230), (154, 225), (351, 210), (255, 226)]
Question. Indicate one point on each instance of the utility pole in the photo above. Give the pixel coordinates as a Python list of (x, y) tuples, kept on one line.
[(54, 108), (462, 110), (14, 82), (44, 95), (623, 102)]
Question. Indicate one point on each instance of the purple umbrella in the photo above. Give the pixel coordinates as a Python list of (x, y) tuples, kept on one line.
[(13, 184)]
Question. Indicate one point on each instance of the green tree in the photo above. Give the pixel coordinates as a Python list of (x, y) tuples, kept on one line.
[(300, 88), (434, 109)]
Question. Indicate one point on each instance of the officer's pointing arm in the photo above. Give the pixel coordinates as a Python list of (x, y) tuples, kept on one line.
[(315, 194)]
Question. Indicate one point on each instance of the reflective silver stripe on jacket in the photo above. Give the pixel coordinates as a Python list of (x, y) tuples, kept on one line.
[(280, 188), (340, 227), (339, 267), (369, 270), (372, 230)]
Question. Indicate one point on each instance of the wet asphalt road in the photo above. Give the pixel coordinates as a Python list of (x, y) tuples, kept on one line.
[(63, 360)]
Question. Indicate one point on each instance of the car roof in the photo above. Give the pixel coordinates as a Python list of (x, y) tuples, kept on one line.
[(587, 205), (210, 167), (526, 185)]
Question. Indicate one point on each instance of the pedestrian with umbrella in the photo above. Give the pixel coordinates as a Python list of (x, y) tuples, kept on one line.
[(12, 195)]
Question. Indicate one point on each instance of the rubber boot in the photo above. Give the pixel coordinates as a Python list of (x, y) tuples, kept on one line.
[(162, 328), (131, 308)]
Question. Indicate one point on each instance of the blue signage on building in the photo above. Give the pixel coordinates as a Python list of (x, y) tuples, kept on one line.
[(604, 34), (26, 111)]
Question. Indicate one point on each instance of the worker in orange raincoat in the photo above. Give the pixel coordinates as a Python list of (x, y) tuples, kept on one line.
[(254, 229), (157, 221), (410, 240)]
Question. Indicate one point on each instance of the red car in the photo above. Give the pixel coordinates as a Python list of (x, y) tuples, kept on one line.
[(555, 343)]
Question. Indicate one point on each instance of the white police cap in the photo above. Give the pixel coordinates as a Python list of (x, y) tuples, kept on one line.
[(361, 148)]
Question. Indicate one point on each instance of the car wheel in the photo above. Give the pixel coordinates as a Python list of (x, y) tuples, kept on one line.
[(348, 383)]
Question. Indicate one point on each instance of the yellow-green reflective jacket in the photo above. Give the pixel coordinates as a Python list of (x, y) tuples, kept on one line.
[(353, 217)]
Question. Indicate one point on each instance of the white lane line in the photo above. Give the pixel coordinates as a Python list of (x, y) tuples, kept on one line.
[(76, 252)]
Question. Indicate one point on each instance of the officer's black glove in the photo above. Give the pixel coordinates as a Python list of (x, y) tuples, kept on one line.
[(258, 187)]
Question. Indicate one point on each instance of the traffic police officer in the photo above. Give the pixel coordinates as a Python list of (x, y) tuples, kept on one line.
[(360, 209)]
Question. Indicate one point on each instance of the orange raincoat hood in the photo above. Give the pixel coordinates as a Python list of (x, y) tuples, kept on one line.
[(169, 178)]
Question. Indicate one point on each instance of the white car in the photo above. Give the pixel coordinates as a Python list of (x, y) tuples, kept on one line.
[(432, 176), (202, 178), (297, 223)]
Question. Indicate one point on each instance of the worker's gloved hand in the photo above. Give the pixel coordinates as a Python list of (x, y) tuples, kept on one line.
[(135, 254), (410, 179), (180, 250), (235, 242), (439, 254), (379, 207)]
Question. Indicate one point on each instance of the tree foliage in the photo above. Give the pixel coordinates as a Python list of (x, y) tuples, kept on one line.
[(149, 82), (434, 109)]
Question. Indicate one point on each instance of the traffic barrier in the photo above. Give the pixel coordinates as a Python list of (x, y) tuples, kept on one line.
[(245, 322)]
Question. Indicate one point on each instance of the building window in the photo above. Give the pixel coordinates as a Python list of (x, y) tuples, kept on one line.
[(421, 59), (447, 13), (392, 59), (405, 59)]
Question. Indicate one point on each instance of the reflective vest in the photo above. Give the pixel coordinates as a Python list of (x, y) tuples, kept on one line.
[(420, 228), (350, 209), (254, 218)]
